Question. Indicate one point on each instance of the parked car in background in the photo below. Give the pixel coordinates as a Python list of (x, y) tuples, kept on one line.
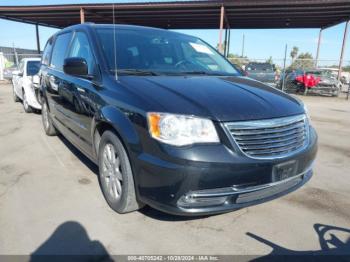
[(170, 122), (8, 71), (316, 81), (328, 83), (23, 87), (263, 72), (344, 78)]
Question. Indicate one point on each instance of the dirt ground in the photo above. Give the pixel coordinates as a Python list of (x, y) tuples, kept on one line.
[(50, 201)]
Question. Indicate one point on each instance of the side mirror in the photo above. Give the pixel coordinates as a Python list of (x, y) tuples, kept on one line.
[(75, 66)]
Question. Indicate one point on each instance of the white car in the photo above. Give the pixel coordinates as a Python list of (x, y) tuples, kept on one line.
[(23, 81)]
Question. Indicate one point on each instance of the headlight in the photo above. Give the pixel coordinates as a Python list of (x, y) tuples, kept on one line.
[(180, 130), (306, 110)]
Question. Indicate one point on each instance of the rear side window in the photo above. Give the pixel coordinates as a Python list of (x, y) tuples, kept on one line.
[(47, 52), (59, 50)]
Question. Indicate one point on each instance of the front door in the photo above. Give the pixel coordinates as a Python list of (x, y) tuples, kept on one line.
[(78, 103)]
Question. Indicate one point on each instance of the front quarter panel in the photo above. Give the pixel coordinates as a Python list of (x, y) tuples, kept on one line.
[(121, 121)]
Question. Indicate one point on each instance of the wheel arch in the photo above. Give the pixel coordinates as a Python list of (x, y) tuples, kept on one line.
[(111, 118)]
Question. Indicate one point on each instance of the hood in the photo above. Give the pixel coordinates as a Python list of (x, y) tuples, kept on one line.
[(328, 80), (218, 98)]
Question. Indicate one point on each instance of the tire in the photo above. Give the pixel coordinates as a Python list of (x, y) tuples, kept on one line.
[(49, 128), (27, 108), (115, 175), (15, 97)]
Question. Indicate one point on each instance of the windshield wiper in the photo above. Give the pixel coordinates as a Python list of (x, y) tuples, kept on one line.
[(135, 72), (195, 73)]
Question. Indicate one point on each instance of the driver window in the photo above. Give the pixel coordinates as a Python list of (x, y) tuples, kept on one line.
[(81, 48)]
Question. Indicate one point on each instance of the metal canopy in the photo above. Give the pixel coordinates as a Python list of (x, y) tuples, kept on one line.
[(239, 14)]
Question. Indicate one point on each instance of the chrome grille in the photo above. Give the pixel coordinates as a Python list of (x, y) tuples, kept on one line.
[(270, 138)]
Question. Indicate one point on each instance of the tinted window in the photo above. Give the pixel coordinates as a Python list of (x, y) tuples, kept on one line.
[(59, 50), (33, 67), (47, 52), (259, 67), (163, 52), (81, 48)]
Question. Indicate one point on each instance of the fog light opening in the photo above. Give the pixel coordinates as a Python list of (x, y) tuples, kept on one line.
[(195, 201)]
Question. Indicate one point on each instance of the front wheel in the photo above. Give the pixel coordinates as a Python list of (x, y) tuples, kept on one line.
[(115, 175), (27, 108), (14, 95)]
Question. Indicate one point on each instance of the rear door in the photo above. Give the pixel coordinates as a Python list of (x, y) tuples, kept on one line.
[(54, 79)]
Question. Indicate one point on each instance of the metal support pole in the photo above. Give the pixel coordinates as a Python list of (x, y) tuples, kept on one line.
[(37, 38), (225, 43), (222, 14), (229, 41), (343, 49), (82, 15), (318, 47), (243, 39), (284, 67)]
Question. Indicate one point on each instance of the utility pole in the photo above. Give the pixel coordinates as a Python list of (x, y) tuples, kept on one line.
[(318, 47), (284, 67), (15, 54), (343, 49)]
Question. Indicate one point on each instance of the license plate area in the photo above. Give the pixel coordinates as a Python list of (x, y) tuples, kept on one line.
[(284, 171)]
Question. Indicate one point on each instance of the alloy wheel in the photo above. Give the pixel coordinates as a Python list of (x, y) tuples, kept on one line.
[(111, 172), (25, 102)]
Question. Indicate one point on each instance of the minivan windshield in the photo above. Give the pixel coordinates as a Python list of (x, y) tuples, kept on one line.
[(156, 52)]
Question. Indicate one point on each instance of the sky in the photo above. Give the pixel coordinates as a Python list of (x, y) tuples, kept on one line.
[(259, 44)]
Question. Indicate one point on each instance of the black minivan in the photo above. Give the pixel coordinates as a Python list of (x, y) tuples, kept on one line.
[(170, 122)]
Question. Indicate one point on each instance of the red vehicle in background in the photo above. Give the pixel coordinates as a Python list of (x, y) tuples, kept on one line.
[(310, 81)]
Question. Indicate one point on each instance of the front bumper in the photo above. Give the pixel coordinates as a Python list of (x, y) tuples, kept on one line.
[(215, 178), (323, 89), (229, 199)]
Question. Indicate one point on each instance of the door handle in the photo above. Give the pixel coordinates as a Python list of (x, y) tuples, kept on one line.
[(81, 90), (53, 84)]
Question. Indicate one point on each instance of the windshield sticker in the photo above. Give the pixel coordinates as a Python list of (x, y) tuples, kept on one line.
[(201, 48)]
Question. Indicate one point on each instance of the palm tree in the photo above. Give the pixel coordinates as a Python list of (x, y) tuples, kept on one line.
[(294, 53)]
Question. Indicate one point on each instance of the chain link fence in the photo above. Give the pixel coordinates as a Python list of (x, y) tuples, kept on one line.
[(272, 74), (325, 72)]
